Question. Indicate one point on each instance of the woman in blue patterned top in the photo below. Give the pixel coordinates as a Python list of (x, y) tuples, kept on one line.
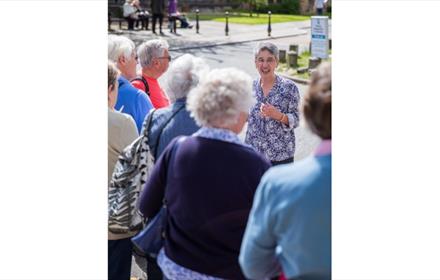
[(274, 117)]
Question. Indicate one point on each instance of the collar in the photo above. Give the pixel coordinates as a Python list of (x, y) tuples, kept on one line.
[(324, 148), (219, 134)]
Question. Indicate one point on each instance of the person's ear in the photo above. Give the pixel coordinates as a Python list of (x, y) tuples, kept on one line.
[(122, 59)]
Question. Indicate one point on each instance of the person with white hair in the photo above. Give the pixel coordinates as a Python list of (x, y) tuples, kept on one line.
[(275, 115), (209, 192), (154, 59), (175, 120), (131, 100), (183, 75)]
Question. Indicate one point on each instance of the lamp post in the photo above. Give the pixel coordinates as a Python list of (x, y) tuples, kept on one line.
[(197, 21), (227, 23), (269, 27)]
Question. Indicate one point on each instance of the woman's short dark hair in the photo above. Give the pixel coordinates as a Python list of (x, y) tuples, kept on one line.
[(317, 107)]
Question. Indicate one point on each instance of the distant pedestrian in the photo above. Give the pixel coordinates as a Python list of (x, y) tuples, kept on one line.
[(130, 13), (208, 180), (275, 115), (154, 59), (121, 132), (132, 101), (158, 10), (143, 15), (289, 228), (319, 4)]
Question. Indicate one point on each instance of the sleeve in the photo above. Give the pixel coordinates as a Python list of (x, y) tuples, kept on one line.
[(292, 111), (143, 106), (153, 193), (257, 254)]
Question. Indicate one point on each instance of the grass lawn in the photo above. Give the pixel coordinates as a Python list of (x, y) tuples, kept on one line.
[(303, 61), (244, 18)]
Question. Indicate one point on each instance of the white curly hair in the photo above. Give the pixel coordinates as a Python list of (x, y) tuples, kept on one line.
[(183, 75), (221, 97)]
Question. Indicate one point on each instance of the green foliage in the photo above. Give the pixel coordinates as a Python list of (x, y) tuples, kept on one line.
[(285, 7), (244, 18)]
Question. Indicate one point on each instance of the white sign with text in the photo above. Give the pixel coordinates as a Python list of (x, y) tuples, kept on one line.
[(320, 36)]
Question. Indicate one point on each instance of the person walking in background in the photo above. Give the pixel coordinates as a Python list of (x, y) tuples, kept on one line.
[(121, 132), (289, 228), (319, 4), (154, 59), (208, 180), (132, 101), (275, 115), (158, 9), (167, 123), (130, 13)]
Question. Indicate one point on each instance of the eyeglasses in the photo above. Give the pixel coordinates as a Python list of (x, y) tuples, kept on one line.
[(165, 57)]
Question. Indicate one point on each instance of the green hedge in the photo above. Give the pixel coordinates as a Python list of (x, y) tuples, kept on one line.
[(285, 7)]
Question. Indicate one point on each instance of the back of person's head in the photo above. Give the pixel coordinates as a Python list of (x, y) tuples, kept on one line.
[(183, 75), (151, 49), (120, 46), (220, 97), (317, 106)]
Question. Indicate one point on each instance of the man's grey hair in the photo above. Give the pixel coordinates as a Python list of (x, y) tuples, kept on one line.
[(267, 46), (120, 45), (151, 49), (183, 75), (220, 97)]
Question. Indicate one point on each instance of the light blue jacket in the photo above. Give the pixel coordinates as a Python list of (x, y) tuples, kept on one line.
[(181, 124), (289, 227)]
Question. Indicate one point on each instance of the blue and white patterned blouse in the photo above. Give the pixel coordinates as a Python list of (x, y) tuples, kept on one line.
[(219, 134), (268, 136), (172, 270), (169, 268)]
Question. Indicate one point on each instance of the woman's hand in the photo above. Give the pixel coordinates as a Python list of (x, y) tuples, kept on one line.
[(268, 110)]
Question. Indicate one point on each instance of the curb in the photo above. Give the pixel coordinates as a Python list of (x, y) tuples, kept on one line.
[(295, 79), (211, 45)]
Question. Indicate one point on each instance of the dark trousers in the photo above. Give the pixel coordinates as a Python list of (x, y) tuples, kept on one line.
[(319, 11), (289, 160), (144, 21), (130, 23), (119, 259), (155, 17), (153, 270)]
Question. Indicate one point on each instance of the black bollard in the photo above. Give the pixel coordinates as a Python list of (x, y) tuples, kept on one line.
[(197, 21), (227, 23), (269, 27)]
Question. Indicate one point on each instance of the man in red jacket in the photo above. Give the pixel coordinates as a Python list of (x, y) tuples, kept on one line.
[(154, 60)]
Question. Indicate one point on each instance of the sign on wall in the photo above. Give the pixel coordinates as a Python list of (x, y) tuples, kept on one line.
[(320, 36)]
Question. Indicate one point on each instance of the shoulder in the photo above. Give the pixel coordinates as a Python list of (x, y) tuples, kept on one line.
[(121, 118), (287, 84), (294, 180)]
